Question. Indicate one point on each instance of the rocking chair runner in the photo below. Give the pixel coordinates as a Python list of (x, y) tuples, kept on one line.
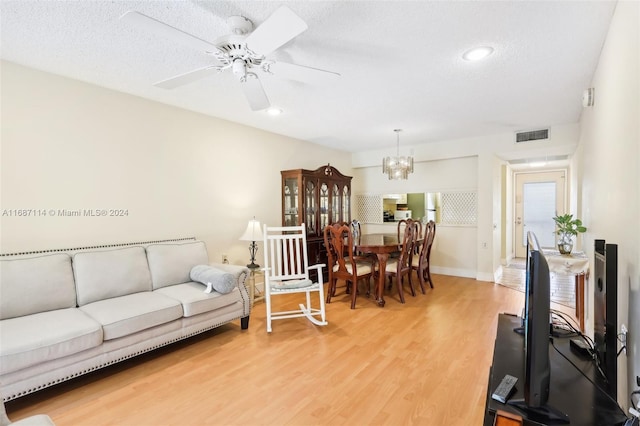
[(287, 271)]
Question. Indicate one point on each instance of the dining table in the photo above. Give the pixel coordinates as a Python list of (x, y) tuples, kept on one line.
[(382, 245)]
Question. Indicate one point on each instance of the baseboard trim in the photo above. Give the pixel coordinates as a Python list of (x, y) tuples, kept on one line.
[(484, 276), (456, 272)]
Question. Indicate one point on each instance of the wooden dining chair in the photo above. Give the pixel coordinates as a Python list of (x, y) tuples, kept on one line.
[(418, 234), (343, 263), (420, 263), (356, 231), (286, 271), (400, 266)]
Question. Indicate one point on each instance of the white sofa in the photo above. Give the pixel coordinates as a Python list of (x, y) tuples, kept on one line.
[(64, 314)]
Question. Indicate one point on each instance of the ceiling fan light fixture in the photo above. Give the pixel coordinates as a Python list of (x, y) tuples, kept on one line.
[(239, 68), (397, 167), (477, 53), (244, 51)]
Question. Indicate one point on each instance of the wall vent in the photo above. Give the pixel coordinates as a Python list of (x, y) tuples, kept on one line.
[(532, 135)]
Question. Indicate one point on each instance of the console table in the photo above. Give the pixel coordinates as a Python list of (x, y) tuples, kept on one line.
[(577, 264), (569, 391)]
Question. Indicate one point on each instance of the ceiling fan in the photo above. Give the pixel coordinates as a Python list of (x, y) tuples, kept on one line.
[(243, 52)]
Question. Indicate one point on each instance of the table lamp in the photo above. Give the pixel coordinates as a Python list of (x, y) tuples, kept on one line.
[(253, 233)]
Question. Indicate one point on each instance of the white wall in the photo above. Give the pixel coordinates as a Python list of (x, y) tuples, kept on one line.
[(610, 154), (454, 249), (70, 145), (444, 165)]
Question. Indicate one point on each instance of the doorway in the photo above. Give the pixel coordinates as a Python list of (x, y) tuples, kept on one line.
[(539, 196)]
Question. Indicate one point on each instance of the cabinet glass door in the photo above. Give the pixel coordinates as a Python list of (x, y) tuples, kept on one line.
[(324, 206), (346, 204), (291, 202), (335, 205), (310, 207)]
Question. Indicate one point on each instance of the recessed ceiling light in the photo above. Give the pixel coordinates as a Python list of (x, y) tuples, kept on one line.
[(477, 53), (274, 111)]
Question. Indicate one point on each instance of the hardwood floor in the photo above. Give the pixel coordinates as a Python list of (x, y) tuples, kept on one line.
[(422, 363)]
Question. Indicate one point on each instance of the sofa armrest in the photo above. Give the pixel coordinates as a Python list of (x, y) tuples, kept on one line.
[(240, 272)]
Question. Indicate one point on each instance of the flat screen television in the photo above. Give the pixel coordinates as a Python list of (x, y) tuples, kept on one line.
[(537, 328), (605, 312)]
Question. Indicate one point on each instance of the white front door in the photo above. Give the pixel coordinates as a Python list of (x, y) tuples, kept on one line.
[(539, 197)]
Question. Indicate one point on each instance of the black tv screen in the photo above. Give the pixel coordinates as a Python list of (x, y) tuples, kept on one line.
[(536, 326), (537, 329), (605, 312)]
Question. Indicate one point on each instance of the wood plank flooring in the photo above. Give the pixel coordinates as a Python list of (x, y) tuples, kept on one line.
[(422, 363)]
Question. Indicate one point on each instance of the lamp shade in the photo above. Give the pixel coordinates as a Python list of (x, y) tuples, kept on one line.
[(253, 231)]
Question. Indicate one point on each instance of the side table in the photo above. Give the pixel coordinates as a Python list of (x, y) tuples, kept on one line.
[(256, 276), (575, 264)]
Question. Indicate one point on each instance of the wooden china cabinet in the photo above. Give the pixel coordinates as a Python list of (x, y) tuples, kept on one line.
[(316, 198)]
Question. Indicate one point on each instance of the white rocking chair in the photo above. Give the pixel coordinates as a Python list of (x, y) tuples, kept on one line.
[(287, 271)]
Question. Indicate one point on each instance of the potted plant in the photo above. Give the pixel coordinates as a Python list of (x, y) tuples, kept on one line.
[(566, 228)]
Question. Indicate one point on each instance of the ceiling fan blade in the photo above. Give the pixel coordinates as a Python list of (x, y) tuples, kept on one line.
[(282, 26), (302, 73), (255, 94), (161, 29), (186, 78)]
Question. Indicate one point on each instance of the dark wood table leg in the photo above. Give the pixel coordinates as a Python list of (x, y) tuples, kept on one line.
[(382, 267)]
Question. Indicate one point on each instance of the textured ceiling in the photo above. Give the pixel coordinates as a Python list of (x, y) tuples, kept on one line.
[(400, 62)]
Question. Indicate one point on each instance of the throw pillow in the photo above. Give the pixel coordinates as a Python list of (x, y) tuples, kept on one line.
[(221, 281)]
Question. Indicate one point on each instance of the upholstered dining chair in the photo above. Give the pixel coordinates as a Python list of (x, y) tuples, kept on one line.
[(420, 263), (343, 263), (287, 272), (356, 231), (400, 266), (417, 236)]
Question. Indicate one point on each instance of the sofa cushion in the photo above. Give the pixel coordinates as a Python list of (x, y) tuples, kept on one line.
[(171, 263), (124, 315), (195, 301), (36, 284), (221, 281), (111, 273), (33, 339)]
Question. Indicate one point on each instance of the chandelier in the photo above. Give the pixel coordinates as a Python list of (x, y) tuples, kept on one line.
[(397, 167)]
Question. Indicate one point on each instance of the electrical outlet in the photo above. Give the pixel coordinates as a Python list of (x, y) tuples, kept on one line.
[(623, 337), (225, 259)]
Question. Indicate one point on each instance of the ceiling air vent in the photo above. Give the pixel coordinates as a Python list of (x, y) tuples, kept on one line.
[(533, 135)]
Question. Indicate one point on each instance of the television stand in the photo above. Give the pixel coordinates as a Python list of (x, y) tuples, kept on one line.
[(569, 391), (544, 414)]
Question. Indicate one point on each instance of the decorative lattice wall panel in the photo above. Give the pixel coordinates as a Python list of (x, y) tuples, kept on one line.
[(368, 208), (459, 208)]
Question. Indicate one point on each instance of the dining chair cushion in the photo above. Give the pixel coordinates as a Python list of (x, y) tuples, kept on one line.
[(392, 264), (362, 268), (221, 281)]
